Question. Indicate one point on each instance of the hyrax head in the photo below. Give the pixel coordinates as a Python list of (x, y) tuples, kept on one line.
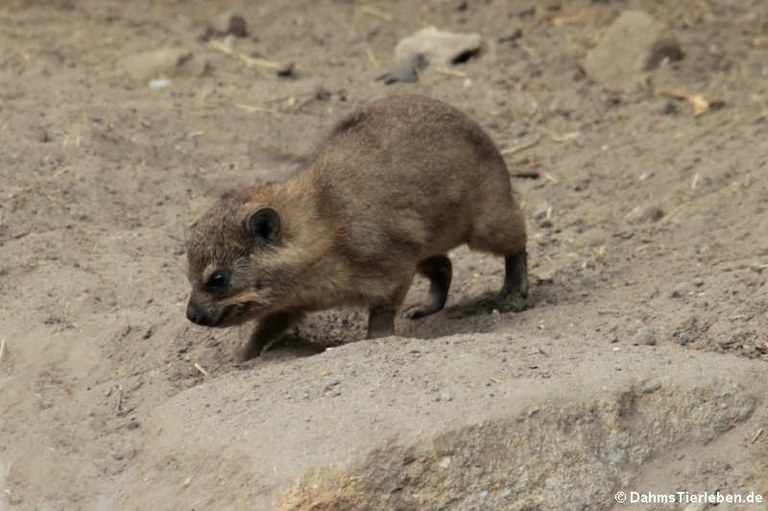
[(231, 254)]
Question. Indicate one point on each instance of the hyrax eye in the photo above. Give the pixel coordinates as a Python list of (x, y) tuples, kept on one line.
[(218, 280)]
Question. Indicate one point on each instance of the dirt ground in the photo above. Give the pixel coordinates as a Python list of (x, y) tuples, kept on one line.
[(648, 225)]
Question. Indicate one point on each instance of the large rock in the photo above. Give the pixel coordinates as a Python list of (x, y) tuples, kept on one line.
[(438, 47), (633, 45), (466, 422)]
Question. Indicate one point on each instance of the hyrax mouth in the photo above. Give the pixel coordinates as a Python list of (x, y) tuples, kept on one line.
[(230, 316)]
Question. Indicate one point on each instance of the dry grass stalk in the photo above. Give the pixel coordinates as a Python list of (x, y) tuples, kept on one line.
[(567, 137), (445, 70), (255, 108), (549, 177), (201, 370), (119, 407), (532, 54), (567, 19), (680, 207), (520, 147), (373, 11), (292, 104), (2, 349), (631, 213), (695, 181), (252, 61), (20, 192), (372, 57)]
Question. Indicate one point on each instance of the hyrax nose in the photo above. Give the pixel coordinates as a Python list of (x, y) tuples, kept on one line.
[(195, 316)]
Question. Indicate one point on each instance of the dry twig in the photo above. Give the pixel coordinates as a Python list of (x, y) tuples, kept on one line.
[(567, 137), (526, 174), (445, 70), (549, 177), (252, 61), (202, 371), (521, 147), (373, 11)]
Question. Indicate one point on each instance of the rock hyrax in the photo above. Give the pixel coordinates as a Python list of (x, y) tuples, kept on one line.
[(387, 194)]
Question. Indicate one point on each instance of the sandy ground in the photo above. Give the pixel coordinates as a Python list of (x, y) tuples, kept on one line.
[(648, 225)]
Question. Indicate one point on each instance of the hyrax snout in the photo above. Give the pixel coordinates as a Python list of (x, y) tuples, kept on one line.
[(386, 195)]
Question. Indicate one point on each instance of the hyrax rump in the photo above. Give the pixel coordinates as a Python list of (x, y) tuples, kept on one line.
[(387, 194)]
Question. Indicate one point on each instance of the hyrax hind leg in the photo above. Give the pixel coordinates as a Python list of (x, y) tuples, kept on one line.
[(500, 229), (515, 276), (438, 270)]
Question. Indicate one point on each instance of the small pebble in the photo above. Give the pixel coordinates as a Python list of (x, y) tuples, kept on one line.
[(646, 336), (645, 176), (685, 338), (406, 71), (542, 214), (514, 36), (226, 23), (680, 290), (159, 83), (670, 108), (651, 387), (648, 214)]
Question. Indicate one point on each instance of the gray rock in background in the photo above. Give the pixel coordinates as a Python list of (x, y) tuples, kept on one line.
[(633, 45)]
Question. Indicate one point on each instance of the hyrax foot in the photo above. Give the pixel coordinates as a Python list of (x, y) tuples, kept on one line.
[(438, 270), (515, 277)]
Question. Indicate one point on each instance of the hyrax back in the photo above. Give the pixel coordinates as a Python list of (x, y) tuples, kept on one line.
[(388, 193)]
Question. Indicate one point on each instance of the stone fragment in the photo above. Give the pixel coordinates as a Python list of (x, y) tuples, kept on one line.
[(439, 47), (648, 214)]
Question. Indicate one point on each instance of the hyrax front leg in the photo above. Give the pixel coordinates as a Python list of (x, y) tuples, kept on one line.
[(515, 277), (438, 270), (269, 330)]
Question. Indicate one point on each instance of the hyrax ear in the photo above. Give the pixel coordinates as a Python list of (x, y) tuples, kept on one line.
[(263, 224)]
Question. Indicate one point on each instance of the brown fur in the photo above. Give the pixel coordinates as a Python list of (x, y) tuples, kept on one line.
[(403, 180)]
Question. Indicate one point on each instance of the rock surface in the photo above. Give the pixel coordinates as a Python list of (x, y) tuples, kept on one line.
[(565, 425)]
